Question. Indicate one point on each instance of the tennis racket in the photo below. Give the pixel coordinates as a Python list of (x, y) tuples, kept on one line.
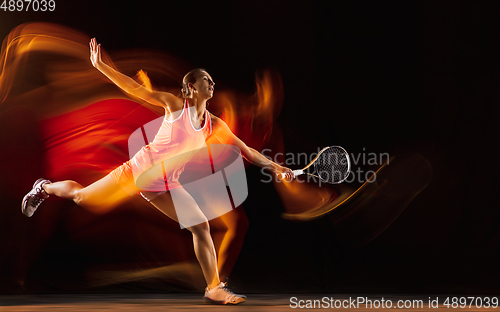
[(331, 165)]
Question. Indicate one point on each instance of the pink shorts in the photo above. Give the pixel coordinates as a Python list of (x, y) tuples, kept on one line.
[(124, 176)]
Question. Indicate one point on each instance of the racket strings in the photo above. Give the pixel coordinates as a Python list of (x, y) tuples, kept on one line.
[(333, 165)]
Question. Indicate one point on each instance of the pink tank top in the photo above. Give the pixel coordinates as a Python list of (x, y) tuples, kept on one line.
[(157, 166)]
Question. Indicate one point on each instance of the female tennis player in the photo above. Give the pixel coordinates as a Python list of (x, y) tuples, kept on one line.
[(186, 126)]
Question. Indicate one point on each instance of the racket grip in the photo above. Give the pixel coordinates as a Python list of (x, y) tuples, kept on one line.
[(295, 173)]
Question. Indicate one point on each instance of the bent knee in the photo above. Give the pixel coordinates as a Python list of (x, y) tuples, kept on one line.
[(78, 197), (82, 197), (201, 228)]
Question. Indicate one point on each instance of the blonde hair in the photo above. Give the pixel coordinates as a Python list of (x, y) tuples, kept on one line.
[(190, 78)]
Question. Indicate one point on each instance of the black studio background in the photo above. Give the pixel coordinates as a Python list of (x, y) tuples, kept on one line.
[(385, 76)]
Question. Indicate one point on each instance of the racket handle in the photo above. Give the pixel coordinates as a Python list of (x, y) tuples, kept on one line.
[(295, 173)]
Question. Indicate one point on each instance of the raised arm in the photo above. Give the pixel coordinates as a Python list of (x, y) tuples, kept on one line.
[(225, 135), (129, 85)]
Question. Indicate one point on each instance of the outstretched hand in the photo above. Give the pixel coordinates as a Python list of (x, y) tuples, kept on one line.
[(95, 53)]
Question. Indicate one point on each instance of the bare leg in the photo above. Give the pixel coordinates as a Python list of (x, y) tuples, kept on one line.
[(202, 240), (104, 192), (228, 232), (205, 253), (64, 189)]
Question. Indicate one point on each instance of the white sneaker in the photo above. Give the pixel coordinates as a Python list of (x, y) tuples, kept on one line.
[(34, 198), (220, 294)]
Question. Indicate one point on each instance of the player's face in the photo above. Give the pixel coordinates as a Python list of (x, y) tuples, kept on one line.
[(204, 85)]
